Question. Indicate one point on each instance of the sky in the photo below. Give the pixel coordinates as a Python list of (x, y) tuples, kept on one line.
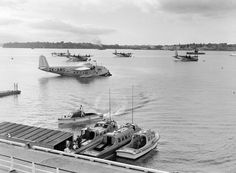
[(119, 21)]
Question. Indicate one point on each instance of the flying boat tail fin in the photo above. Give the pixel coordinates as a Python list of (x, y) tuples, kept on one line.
[(43, 64)]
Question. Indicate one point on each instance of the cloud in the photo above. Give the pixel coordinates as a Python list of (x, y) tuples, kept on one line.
[(207, 8), (61, 26), (99, 6), (12, 3), (8, 21)]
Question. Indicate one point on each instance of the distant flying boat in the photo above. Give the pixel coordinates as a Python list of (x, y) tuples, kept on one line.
[(196, 52), (122, 54), (186, 57), (73, 57), (85, 71)]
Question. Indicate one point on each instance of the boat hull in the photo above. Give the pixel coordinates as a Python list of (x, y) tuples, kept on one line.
[(90, 144), (130, 153), (84, 120), (106, 154)]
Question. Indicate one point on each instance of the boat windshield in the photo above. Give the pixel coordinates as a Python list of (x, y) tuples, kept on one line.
[(99, 124), (105, 126), (88, 135), (78, 113), (109, 140), (139, 141)]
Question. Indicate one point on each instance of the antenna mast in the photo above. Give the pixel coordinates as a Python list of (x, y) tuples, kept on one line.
[(109, 104), (132, 106)]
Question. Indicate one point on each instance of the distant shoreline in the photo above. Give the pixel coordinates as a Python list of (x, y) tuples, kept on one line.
[(70, 45)]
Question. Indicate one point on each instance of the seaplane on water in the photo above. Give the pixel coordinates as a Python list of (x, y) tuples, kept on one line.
[(122, 54), (86, 70), (196, 52), (73, 57), (186, 57)]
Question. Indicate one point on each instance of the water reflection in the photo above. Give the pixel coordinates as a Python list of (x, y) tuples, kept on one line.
[(45, 80)]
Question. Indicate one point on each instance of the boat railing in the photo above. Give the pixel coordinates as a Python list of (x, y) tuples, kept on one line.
[(87, 158)]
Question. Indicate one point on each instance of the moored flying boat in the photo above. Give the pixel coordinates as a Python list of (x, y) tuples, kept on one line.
[(186, 57), (86, 70), (80, 57), (73, 57), (122, 54), (196, 52)]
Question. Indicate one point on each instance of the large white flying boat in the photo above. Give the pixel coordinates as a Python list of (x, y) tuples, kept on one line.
[(85, 71)]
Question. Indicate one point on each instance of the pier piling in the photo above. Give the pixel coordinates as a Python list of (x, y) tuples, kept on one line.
[(15, 91)]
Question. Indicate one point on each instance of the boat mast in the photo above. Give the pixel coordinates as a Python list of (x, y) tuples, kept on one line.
[(132, 106), (109, 104)]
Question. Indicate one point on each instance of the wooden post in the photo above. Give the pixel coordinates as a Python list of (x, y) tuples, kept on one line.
[(12, 164), (33, 167)]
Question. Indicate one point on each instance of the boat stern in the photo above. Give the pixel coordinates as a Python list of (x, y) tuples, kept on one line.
[(92, 153), (129, 153)]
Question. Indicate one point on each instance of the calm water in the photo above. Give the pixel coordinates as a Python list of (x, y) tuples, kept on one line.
[(191, 104)]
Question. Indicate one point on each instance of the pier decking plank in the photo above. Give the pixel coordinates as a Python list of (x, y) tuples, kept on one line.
[(28, 136), (3, 123), (45, 131), (46, 136), (61, 138), (15, 129), (53, 137), (6, 125), (13, 134), (9, 128), (31, 129)]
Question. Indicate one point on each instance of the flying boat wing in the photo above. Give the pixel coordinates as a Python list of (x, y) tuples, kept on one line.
[(81, 68)]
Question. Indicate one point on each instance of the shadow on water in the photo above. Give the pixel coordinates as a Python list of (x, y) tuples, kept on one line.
[(45, 80), (182, 61), (85, 80), (73, 128)]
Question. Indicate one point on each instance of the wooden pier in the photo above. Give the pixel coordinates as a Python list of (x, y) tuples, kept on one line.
[(9, 92), (16, 91), (35, 136), (44, 153)]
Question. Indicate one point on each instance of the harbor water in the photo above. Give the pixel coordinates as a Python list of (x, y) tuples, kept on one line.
[(191, 104)]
